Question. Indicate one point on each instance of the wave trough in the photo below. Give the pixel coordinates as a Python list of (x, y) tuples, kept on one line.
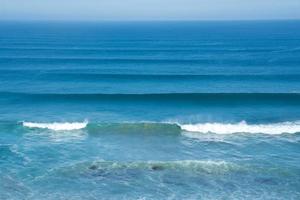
[(194, 166)]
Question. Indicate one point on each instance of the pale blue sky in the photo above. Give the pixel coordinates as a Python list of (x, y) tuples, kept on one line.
[(148, 9)]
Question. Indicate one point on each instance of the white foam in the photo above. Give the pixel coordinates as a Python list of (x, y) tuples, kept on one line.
[(243, 127), (57, 126)]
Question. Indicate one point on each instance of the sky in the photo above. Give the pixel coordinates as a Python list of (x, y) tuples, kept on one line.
[(119, 10)]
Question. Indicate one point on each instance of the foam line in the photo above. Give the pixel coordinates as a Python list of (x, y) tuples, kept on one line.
[(67, 126), (243, 127)]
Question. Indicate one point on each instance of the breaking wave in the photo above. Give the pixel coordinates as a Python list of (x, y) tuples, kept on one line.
[(153, 127), (243, 127), (56, 126)]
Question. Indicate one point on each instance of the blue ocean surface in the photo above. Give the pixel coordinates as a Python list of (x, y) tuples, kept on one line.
[(150, 110)]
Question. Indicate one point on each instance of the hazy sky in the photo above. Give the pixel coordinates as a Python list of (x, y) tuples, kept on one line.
[(148, 9)]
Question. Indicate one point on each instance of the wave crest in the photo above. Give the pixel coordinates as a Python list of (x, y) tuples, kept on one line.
[(152, 127), (57, 126), (243, 127)]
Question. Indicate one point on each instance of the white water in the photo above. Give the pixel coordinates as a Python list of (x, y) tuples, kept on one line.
[(57, 126), (218, 128), (243, 127)]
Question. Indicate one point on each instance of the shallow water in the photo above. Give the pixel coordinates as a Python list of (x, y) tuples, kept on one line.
[(170, 110)]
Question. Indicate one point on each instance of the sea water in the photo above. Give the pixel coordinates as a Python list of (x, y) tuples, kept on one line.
[(150, 110)]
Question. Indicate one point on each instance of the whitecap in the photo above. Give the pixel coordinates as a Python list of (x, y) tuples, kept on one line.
[(57, 126), (243, 127)]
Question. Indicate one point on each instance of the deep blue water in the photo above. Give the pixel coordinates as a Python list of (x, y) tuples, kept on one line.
[(150, 110)]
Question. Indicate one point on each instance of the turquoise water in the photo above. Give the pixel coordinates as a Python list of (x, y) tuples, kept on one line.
[(150, 110)]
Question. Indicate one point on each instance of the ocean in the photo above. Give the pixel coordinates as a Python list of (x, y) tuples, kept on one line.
[(150, 110)]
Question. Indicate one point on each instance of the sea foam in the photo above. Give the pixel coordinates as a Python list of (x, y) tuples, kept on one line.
[(57, 126), (243, 127), (218, 128)]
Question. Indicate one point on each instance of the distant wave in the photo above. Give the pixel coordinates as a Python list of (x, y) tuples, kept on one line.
[(57, 126), (243, 127), (103, 60), (149, 127), (88, 76), (181, 48), (145, 61), (196, 98)]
